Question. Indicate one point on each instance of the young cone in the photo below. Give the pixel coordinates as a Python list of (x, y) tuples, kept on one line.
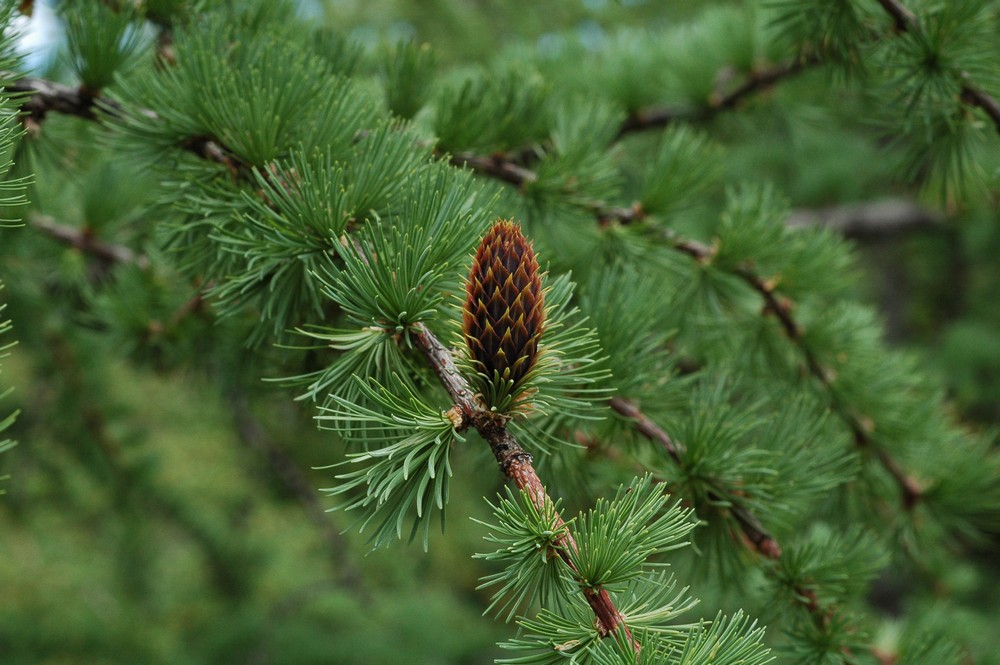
[(504, 311)]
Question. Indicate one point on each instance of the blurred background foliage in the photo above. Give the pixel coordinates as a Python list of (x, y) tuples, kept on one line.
[(146, 517)]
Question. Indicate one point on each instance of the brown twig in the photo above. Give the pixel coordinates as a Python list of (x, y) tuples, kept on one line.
[(755, 535), (496, 166), (757, 80), (88, 243), (782, 309), (750, 526), (515, 463), (42, 97)]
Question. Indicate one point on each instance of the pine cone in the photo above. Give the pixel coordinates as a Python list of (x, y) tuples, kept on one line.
[(504, 308)]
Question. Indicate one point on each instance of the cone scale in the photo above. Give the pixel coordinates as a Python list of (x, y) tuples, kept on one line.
[(504, 310)]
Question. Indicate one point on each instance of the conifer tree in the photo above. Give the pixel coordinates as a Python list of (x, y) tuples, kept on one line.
[(546, 265)]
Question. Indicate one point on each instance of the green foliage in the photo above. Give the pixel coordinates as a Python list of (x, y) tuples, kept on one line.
[(407, 73), (684, 170), (527, 537), (412, 467), (282, 190), (616, 537), (8, 420), (487, 111), (102, 39)]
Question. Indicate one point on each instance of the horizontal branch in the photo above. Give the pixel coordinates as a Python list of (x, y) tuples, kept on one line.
[(514, 462), (85, 241), (496, 166), (42, 97), (877, 219), (757, 80)]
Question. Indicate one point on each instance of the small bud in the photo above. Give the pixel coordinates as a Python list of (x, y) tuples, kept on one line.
[(504, 310)]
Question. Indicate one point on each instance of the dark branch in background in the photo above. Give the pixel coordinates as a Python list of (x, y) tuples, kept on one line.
[(975, 97), (902, 16), (496, 166), (869, 221), (44, 97), (88, 243), (757, 80), (514, 462)]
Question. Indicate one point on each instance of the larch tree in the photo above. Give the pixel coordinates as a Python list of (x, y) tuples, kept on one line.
[(566, 278)]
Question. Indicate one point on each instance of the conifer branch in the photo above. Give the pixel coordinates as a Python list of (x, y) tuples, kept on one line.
[(514, 462), (497, 166), (755, 533), (757, 80), (906, 21), (87, 242), (781, 308), (43, 97)]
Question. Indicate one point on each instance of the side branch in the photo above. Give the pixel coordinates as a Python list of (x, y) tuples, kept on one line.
[(906, 21), (781, 308), (750, 526), (497, 166), (756, 81), (515, 463), (87, 242), (44, 97)]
